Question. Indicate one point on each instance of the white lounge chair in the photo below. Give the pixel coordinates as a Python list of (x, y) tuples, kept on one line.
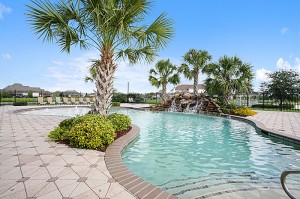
[(58, 101), (81, 101), (66, 100), (41, 101), (74, 101), (50, 101)]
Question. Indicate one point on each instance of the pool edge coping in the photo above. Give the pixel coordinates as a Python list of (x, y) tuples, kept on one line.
[(264, 129), (118, 170)]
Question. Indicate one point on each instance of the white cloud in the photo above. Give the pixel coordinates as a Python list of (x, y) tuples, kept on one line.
[(285, 65), (282, 64), (60, 63), (261, 75), (284, 31), (70, 74), (6, 56), (4, 10)]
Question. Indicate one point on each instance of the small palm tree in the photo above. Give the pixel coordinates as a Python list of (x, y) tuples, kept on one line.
[(227, 76), (113, 27), (163, 73), (197, 59), (92, 70)]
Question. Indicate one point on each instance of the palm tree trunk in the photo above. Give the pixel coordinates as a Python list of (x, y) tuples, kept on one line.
[(227, 98), (164, 93), (196, 74), (104, 84)]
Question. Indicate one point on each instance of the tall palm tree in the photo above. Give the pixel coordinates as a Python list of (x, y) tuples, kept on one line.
[(92, 70), (227, 76), (197, 59), (163, 73), (114, 28)]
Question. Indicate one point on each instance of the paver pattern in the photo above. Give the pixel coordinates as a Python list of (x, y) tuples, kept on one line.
[(33, 167), (284, 123)]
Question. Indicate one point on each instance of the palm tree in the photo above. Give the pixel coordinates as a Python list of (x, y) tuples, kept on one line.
[(163, 73), (227, 76), (197, 59), (114, 28), (92, 70)]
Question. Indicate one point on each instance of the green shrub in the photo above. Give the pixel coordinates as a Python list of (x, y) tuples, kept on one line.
[(20, 104), (91, 132), (120, 122), (60, 133), (243, 111), (116, 103)]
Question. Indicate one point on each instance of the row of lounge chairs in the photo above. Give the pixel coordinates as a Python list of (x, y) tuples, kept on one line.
[(65, 100)]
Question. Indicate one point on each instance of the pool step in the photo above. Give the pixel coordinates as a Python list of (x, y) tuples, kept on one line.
[(220, 185)]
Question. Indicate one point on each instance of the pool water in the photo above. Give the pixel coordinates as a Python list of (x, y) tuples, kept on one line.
[(200, 156)]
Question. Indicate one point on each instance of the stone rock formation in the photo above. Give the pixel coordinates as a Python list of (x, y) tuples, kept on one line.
[(190, 103)]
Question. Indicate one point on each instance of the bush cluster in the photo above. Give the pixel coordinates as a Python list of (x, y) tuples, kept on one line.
[(120, 122), (115, 103), (91, 131), (243, 111)]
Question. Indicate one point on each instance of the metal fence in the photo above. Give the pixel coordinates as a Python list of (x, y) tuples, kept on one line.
[(265, 101)]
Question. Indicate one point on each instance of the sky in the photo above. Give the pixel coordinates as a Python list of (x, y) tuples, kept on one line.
[(265, 34)]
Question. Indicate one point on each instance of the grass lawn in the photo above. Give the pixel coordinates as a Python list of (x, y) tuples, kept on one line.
[(153, 101)]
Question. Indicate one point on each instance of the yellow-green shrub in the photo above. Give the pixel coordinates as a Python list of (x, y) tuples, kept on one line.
[(243, 111), (120, 122), (92, 132)]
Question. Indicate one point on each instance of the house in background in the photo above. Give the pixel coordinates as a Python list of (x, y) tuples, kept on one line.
[(188, 88), (22, 91), (71, 93)]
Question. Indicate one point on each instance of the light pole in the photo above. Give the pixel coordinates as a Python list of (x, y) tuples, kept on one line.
[(127, 92)]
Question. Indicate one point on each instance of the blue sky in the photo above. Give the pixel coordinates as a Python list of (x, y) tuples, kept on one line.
[(264, 33)]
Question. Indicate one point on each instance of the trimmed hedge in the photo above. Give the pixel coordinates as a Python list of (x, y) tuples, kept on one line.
[(91, 131), (115, 103)]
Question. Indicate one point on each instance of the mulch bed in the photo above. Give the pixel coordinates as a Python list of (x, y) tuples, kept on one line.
[(121, 133)]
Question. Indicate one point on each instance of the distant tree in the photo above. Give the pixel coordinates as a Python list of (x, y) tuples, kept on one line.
[(284, 85), (6, 94), (119, 97), (56, 94), (30, 94), (163, 73), (228, 76), (197, 60)]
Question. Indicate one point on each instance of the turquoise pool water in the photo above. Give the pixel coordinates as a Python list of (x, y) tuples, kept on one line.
[(199, 156), (205, 156)]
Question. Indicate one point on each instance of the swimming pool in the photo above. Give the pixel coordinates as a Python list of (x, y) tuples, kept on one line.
[(200, 156)]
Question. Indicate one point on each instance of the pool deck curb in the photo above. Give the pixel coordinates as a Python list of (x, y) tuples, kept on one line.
[(118, 170)]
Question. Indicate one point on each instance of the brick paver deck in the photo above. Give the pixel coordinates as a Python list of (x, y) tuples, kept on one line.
[(282, 123), (33, 167)]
